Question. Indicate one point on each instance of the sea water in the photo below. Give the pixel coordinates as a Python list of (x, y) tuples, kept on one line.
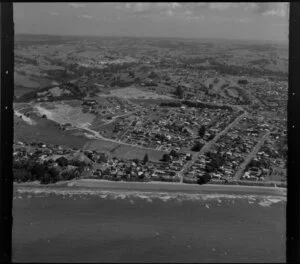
[(122, 226)]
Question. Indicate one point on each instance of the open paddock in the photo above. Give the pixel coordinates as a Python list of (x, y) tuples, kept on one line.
[(64, 113), (128, 152), (47, 131), (25, 81), (148, 102), (123, 151), (134, 93)]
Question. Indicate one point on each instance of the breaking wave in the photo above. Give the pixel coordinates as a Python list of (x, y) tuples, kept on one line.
[(262, 200)]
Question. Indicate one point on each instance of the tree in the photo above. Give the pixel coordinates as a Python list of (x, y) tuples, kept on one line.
[(197, 147), (200, 180), (242, 81), (103, 158), (62, 161), (174, 153), (201, 131), (211, 136), (38, 171), (179, 92), (204, 179), (137, 79), (70, 174), (146, 158), (166, 157), (209, 168), (54, 174), (21, 175), (46, 178), (136, 161)]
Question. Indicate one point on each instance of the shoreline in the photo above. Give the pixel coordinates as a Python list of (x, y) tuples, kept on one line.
[(102, 185)]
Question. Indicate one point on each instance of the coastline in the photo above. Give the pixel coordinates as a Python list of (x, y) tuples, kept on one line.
[(95, 184), (179, 224)]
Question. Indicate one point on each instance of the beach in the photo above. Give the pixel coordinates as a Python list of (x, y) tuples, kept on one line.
[(159, 186)]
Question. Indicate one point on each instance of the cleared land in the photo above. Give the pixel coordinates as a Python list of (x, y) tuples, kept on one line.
[(123, 151), (25, 81), (63, 113), (46, 131), (134, 93)]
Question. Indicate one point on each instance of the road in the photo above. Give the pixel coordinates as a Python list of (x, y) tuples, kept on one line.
[(250, 157), (86, 128), (207, 146), (98, 136)]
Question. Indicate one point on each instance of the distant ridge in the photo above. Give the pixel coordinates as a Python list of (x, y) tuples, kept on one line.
[(235, 40)]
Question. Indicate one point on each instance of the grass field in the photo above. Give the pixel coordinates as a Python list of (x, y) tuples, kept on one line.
[(25, 84), (278, 174), (46, 131), (123, 151), (64, 113), (129, 152), (134, 93), (25, 81), (151, 101)]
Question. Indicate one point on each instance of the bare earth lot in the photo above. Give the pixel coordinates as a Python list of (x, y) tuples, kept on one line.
[(62, 113)]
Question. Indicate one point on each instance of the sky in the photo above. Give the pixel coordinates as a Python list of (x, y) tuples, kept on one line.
[(250, 21)]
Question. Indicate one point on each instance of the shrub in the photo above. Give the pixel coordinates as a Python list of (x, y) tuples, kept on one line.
[(179, 92), (204, 179), (201, 131), (166, 157), (173, 153), (62, 161), (21, 175), (197, 147), (242, 81), (146, 158), (46, 178), (69, 175)]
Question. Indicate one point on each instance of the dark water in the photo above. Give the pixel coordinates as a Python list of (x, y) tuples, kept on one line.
[(62, 227)]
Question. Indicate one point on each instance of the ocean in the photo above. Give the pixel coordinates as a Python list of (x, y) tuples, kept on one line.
[(72, 225)]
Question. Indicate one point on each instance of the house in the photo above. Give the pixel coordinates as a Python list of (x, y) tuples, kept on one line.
[(120, 174), (216, 176)]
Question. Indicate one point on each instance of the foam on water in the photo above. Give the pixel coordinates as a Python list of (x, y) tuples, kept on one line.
[(268, 202), (263, 200)]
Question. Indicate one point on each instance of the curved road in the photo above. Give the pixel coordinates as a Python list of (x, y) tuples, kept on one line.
[(205, 148)]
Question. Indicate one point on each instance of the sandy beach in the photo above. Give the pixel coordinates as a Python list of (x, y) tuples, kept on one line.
[(159, 187)]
